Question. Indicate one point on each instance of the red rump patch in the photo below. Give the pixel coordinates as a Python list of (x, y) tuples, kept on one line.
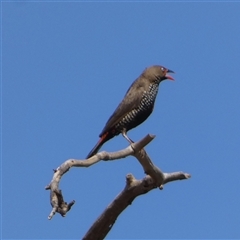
[(103, 136)]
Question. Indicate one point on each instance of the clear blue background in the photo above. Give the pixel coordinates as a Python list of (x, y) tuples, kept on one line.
[(65, 68)]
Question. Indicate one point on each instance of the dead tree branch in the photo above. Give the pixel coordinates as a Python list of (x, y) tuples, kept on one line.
[(56, 196), (133, 189), (155, 179)]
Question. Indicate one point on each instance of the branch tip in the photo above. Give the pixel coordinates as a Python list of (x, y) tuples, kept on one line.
[(152, 136), (130, 179)]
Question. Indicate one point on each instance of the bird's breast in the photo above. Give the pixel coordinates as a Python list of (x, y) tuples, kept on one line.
[(140, 113), (149, 96)]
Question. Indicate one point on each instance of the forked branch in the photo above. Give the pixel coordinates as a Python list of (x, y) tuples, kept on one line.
[(133, 189), (155, 179)]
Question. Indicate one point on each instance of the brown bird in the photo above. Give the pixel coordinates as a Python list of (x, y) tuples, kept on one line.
[(136, 106)]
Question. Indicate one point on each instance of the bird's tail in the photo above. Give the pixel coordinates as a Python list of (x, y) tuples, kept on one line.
[(99, 144)]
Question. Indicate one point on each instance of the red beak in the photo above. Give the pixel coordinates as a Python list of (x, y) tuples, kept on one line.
[(168, 76)]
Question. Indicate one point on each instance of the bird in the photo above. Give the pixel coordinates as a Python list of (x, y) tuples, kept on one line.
[(136, 106)]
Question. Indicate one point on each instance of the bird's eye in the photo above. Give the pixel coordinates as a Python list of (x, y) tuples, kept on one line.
[(163, 69)]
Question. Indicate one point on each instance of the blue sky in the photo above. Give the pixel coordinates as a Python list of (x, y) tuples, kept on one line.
[(65, 68)]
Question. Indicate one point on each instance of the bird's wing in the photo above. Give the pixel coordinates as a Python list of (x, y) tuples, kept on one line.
[(130, 101)]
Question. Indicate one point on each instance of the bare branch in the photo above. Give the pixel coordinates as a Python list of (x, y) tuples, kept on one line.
[(56, 197), (133, 189), (169, 177), (155, 179)]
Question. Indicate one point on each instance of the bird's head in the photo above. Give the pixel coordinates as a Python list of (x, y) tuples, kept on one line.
[(158, 73)]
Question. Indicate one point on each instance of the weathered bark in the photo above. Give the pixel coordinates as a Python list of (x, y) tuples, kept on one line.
[(155, 179)]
